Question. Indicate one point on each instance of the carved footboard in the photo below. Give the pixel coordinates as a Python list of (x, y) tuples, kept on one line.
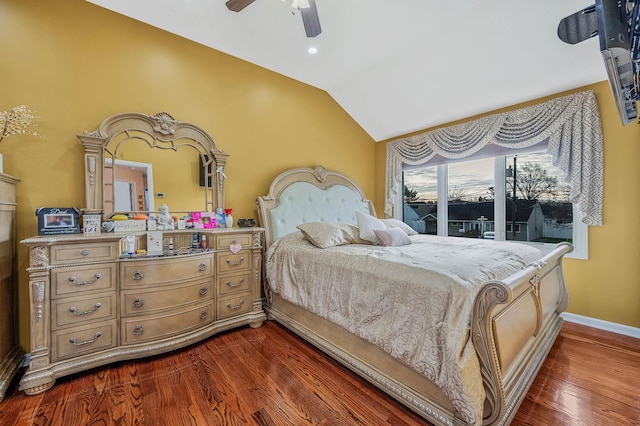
[(513, 326)]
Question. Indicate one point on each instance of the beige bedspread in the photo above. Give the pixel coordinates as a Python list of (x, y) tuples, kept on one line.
[(412, 301)]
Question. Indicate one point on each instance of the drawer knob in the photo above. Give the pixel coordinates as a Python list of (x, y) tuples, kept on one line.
[(238, 284), (204, 315), (230, 262), (137, 275), (85, 342), (137, 330), (235, 306), (85, 252), (75, 281), (203, 267), (137, 302), (74, 310), (204, 291)]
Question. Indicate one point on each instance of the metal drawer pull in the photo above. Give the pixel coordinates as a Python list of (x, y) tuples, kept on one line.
[(137, 302), (74, 310), (238, 284), (74, 281), (86, 342), (85, 252), (237, 306), (203, 266), (138, 275), (235, 263), (204, 315), (137, 330), (204, 291)]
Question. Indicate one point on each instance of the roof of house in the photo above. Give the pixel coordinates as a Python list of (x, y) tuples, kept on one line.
[(473, 210)]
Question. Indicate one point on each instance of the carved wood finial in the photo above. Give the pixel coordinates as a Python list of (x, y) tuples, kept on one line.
[(165, 123), (39, 256), (37, 293), (321, 174)]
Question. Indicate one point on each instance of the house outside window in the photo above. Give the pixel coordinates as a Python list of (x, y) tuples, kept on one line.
[(480, 201)]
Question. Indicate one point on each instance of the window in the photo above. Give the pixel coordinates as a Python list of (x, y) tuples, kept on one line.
[(481, 201), (510, 229)]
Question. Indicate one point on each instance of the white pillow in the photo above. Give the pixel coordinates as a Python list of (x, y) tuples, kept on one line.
[(393, 237), (367, 225), (395, 223), (325, 235)]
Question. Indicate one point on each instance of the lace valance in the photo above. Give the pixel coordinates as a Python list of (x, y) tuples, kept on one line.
[(570, 125)]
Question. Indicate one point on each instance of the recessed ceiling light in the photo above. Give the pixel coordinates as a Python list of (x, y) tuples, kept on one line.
[(312, 50)]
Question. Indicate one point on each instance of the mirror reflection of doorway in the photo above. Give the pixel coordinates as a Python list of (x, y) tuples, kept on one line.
[(124, 192), (132, 186)]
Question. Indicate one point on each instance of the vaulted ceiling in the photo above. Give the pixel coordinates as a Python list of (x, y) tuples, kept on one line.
[(396, 66)]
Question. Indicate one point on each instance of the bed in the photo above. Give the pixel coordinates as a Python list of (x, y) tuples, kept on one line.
[(453, 328)]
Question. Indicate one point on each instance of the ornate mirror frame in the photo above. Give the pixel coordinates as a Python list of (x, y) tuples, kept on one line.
[(159, 131)]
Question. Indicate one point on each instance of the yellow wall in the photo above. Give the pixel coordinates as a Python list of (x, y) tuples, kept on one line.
[(607, 286), (76, 64)]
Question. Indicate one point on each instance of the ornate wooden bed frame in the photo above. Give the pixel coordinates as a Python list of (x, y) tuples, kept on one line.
[(514, 323)]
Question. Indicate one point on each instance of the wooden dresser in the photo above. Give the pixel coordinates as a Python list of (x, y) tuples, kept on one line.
[(91, 306), (10, 353)]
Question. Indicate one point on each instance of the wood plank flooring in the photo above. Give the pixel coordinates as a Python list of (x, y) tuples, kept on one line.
[(267, 376)]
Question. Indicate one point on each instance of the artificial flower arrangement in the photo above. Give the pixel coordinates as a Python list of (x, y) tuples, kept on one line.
[(17, 121)]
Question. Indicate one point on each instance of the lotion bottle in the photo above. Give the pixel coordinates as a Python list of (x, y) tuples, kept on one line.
[(131, 245)]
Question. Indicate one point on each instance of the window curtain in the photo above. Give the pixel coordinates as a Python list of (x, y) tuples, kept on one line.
[(570, 125)]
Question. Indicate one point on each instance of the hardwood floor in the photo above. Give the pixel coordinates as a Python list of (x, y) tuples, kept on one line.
[(267, 376)]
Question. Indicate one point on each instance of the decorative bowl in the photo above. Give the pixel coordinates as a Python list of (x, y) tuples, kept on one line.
[(246, 223)]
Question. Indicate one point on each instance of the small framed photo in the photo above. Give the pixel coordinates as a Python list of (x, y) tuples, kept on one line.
[(205, 220), (91, 223), (58, 220)]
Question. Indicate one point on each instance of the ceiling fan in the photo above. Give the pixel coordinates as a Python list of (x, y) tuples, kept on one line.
[(307, 9)]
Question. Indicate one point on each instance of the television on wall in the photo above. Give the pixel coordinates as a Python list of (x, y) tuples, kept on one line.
[(616, 34), (201, 171), (617, 25)]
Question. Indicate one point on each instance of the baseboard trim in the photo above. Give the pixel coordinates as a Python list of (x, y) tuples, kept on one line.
[(602, 325)]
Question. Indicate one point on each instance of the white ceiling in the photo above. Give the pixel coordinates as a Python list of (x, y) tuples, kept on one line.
[(396, 66)]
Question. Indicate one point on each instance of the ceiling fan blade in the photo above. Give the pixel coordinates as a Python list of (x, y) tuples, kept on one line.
[(310, 19), (238, 5), (579, 26)]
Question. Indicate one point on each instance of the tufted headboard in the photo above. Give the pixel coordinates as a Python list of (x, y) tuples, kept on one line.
[(309, 195)]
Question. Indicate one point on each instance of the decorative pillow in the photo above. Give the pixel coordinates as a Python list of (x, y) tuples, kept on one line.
[(325, 235), (367, 224), (392, 237), (395, 223)]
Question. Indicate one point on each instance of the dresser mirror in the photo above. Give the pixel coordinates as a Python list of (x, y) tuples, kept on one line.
[(134, 162)]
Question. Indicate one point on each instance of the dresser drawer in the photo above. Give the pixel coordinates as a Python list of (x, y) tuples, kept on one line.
[(234, 305), (229, 262), (158, 299), (84, 252), (154, 327), (234, 283), (158, 272), (224, 241), (82, 340), (85, 278), (72, 311)]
